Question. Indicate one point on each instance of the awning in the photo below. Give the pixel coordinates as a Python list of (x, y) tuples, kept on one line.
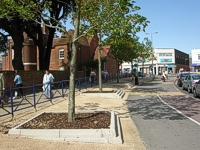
[(195, 64)]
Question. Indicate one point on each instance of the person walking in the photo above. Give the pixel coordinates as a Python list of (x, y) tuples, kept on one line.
[(18, 82), (92, 76), (106, 75), (164, 76), (47, 80), (2, 88)]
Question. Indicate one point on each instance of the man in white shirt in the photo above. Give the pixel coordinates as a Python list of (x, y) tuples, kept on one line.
[(47, 79)]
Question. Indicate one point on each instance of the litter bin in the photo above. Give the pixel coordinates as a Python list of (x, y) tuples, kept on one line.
[(136, 80)]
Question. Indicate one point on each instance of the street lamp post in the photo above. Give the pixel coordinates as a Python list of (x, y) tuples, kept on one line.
[(152, 48), (185, 61)]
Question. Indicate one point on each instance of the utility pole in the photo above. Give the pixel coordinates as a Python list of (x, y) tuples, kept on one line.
[(152, 53)]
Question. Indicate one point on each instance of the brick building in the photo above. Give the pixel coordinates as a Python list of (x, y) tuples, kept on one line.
[(61, 47)]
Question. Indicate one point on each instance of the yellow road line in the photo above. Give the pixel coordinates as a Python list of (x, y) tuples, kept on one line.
[(155, 93)]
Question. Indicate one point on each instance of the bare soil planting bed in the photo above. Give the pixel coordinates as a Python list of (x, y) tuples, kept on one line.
[(100, 120)]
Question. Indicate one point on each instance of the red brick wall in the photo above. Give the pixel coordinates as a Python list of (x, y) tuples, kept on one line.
[(4, 62), (93, 44), (110, 65), (55, 62), (29, 54), (83, 55)]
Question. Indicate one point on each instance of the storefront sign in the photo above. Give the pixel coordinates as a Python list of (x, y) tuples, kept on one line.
[(140, 61), (165, 59)]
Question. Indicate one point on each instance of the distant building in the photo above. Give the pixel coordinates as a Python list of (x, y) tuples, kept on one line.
[(195, 65), (166, 59)]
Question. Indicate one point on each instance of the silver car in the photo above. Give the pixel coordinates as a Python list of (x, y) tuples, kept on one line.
[(189, 82), (196, 89)]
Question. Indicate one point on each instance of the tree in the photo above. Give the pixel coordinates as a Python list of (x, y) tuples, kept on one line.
[(104, 18), (123, 48), (28, 16), (3, 43), (93, 16), (144, 51), (13, 24)]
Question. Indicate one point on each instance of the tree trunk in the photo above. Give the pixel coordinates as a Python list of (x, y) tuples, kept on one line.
[(142, 67), (49, 47), (71, 105), (37, 37), (17, 61), (18, 38), (117, 72), (99, 62), (41, 56)]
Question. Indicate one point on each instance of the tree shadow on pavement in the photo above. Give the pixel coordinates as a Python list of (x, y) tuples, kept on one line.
[(151, 108), (156, 89)]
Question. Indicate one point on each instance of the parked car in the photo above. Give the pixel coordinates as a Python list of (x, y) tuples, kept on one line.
[(181, 77), (189, 82), (140, 74), (196, 89)]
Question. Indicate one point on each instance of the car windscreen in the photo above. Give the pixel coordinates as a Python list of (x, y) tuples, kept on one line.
[(196, 77), (184, 75)]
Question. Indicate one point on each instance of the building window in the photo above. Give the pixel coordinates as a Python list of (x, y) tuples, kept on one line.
[(168, 54), (61, 53), (198, 56), (161, 54), (165, 54)]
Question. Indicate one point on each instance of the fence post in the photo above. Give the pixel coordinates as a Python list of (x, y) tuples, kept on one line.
[(34, 100), (51, 93), (85, 80), (62, 88), (11, 101), (79, 84)]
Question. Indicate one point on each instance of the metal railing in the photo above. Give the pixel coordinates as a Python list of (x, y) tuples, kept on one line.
[(34, 95)]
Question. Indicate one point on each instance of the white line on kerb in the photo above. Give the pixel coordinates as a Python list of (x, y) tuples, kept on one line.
[(179, 111)]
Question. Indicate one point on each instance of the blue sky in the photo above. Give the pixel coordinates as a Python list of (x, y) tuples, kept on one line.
[(176, 21)]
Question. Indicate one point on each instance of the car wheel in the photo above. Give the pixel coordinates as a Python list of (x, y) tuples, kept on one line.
[(195, 93), (189, 90)]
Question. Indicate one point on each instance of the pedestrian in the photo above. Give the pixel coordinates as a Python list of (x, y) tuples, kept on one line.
[(2, 88), (150, 73), (18, 82), (92, 76), (164, 76), (47, 81), (135, 77), (106, 75)]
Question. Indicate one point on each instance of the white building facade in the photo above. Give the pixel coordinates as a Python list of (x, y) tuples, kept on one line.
[(195, 60)]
